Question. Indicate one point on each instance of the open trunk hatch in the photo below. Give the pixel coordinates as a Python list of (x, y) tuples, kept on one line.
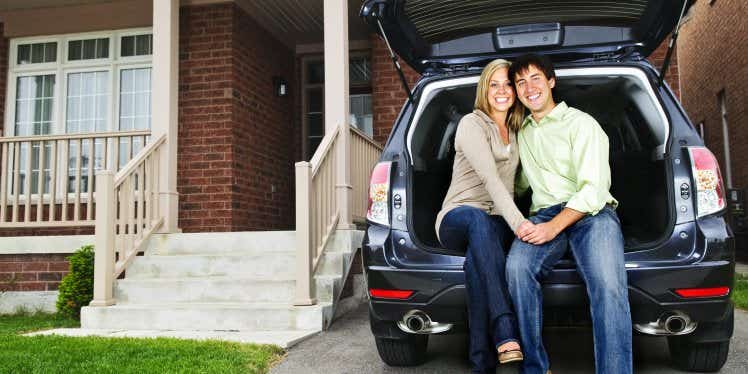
[(431, 34)]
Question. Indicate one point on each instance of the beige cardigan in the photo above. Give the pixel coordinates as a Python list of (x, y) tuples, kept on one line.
[(484, 170)]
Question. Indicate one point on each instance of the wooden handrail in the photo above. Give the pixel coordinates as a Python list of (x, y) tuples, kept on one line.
[(127, 214), (363, 135), (88, 135), (322, 150), (130, 166)]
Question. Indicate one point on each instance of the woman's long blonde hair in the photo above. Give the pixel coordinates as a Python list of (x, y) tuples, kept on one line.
[(516, 113)]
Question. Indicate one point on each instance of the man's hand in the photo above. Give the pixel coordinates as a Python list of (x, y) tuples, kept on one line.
[(544, 232), (541, 233), (524, 228)]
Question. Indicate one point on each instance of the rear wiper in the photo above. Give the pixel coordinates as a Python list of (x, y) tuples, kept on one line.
[(671, 45), (395, 61)]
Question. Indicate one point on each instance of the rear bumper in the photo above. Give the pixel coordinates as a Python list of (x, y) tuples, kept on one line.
[(441, 294)]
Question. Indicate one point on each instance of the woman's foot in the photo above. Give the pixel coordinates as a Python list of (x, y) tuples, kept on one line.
[(509, 352)]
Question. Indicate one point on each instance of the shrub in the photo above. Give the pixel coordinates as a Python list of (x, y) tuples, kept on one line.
[(76, 288)]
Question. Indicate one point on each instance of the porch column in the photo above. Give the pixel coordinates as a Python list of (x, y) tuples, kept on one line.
[(336, 100), (164, 91)]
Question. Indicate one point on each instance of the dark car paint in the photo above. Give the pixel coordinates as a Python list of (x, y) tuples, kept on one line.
[(695, 253)]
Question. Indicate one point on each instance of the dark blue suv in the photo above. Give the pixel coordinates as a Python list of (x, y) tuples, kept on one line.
[(679, 251)]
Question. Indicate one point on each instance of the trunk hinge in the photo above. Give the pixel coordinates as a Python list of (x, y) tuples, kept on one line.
[(671, 45), (395, 61)]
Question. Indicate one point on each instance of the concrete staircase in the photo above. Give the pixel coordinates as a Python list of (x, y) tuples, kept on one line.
[(232, 282)]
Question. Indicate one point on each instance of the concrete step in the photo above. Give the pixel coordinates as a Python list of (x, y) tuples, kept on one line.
[(279, 264), (203, 290), (333, 263), (327, 287), (204, 317), (222, 243)]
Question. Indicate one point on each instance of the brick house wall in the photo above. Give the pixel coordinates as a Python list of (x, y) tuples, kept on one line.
[(235, 137), (263, 129), (713, 54), (204, 176), (388, 95), (32, 272), (672, 77)]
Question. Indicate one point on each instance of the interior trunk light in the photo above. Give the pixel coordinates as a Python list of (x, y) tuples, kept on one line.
[(710, 193), (379, 191), (703, 292), (390, 294)]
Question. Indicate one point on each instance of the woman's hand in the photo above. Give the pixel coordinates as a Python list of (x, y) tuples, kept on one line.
[(541, 233), (524, 228)]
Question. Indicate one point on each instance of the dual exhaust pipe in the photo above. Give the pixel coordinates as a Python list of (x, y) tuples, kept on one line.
[(418, 322), (670, 323)]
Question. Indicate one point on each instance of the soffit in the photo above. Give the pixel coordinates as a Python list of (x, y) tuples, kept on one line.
[(7, 5), (296, 22)]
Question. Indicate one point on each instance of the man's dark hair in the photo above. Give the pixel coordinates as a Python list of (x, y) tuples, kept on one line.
[(522, 64)]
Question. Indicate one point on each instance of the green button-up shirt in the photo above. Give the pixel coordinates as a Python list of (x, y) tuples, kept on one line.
[(564, 159)]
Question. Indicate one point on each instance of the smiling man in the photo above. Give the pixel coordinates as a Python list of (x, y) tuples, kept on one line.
[(564, 157)]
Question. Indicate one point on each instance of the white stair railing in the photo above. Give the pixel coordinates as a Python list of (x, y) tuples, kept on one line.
[(48, 180), (317, 205), (365, 153), (127, 213)]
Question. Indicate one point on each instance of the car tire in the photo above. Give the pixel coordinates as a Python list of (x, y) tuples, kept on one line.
[(699, 357), (410, 351)]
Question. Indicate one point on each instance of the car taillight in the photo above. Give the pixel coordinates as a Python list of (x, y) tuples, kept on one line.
[(390, 294), (703, 292), (379, 191), (710, 193)]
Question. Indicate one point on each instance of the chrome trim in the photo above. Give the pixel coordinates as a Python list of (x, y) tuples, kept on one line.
[(662, 327), (427, 325)]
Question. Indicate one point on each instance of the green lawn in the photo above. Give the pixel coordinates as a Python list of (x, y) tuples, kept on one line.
[(740, 291), (55, 354)]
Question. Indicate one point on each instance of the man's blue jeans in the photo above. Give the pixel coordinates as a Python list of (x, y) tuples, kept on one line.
[(490, 314), (596, 243)]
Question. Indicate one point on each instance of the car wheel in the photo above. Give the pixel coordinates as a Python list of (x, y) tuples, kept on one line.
[(701, 357), (409, 351)]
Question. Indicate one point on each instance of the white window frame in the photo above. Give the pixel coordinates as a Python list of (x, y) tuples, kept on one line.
[(113, 64)]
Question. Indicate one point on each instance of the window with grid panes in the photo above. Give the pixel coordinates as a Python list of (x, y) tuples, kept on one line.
[(77, 83)]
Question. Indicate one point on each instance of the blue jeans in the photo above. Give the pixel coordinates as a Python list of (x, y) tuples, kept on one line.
[(596, 242), (490, 313)]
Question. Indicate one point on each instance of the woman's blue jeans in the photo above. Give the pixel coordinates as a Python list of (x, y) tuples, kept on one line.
[(491, 318), (596, 243)]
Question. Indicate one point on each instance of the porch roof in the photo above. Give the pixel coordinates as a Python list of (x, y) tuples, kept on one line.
[(294, 22)]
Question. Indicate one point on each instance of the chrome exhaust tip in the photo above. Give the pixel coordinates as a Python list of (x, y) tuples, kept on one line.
[(676, 323), (671, 323), (418, 322)]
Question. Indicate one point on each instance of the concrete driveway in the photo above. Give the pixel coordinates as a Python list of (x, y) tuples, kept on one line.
[(348, 347)]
